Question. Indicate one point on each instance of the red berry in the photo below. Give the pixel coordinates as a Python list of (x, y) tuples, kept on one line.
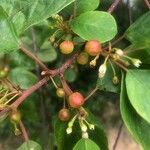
[(93, 47), (66, 47), (64, 114), (76, 100)]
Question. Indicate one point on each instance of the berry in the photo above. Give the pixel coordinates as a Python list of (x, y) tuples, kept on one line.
[(76, 100), (15, 116), (64, 114), (66, 47), (60, 92), (82, 59), (3, 73), (115, 80), (93, 47)]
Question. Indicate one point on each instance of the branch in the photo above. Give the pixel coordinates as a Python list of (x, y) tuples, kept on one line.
[(91, 93), (37, 60), (28, 92), (66, 87), (114, 6), (61, 70), (24, 132), (147, 4)]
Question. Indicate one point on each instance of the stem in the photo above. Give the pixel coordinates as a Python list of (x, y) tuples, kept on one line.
[(24, 132), (12, 98), (147, 4), (29, 91), (121, 66), (54, 83), (37, 60), (118, 136), (91, 93), (113, 69), (66, 87), (113, 6)]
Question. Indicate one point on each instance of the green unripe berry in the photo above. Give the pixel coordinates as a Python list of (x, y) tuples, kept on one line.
[(82, 59), (60, 92)]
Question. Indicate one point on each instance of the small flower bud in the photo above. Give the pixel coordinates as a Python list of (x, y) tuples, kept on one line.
[(70, 124), (52, 39), (115, 56), (136, 62), (85, 135), (93, 63), (17, 132), (115, 80), (69, 130), (102, 70), (83, 127), (119, 52), (91, 126)]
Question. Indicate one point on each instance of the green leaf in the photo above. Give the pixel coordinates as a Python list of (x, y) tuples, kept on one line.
[(34, 11), (137, 126), (106, 83), (86, 144), (8, 38), (139, 51), (47, 53), (67, 142), (95, 25), (86, 5), (70, 75), (138, 89), (30, 145), (22, 77), (140, 30), (19, 59)]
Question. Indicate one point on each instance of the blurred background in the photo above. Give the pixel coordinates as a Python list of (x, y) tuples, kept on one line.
[(39, 111)]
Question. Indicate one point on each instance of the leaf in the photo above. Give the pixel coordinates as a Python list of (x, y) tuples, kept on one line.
[(139, 51), (95, 25), (47, 53), (138, 89), (22, 77), (106, 83), (34, 11), (86, 5), (8, 38), (67, 142), (30, 145), (19, 59), (86, 144), (70, 75), (137, 126), (140, 30)]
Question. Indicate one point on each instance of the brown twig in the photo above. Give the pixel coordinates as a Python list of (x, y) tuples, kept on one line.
[(37, 60), (28, 92), (91, 93), (147, 4), (120, 65), (62, 68), (24, 132), (66, 87), (114, 6)]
